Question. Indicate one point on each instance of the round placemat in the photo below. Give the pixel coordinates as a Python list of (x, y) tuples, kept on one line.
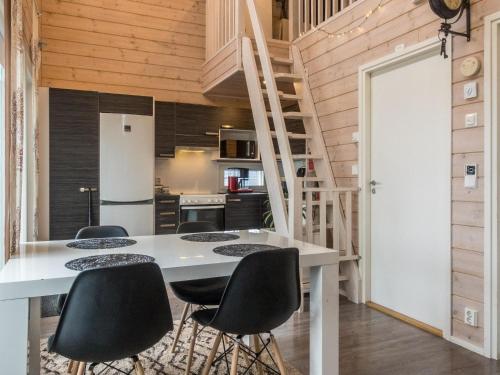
[(107, 260), (210, 237), (101, 243), (243, 249)]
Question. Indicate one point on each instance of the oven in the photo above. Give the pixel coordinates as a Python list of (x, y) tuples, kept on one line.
[(203, 208)]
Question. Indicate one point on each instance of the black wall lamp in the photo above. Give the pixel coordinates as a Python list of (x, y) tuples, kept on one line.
[(451, 11)]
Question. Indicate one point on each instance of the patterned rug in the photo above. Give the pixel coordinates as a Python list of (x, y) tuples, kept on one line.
[(159, 361)]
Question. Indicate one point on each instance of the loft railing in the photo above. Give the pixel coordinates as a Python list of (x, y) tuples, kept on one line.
[(225, 19), (311, 13), (224, 22)]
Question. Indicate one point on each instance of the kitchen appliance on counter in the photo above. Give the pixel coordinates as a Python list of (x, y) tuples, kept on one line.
[(207, 207), (238, 183), (127, 172)]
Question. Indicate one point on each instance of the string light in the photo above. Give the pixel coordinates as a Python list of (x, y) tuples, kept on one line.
[(358, 27)]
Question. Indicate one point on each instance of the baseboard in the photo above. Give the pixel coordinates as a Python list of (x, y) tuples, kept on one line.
[(413, 322), (467, 345)]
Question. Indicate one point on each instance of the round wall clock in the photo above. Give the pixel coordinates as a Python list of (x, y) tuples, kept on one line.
[(446, 8)]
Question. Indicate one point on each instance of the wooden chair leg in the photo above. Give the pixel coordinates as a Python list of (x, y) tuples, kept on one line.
[(74, 367), (278, 357), (213, 352), (70, 366), (191, 348), (81, 368), (180, 328), (234, 360), (139, 370), (257, 348)]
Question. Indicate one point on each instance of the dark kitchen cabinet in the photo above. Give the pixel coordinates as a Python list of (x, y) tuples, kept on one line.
[(244, 211), (164, 130), (196, 125), (130, 104), (166, 213), (74, 160)]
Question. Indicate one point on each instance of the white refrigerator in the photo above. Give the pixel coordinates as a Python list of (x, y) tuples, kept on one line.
[(127, 172)]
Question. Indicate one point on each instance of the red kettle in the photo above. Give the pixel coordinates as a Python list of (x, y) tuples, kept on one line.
[(232, 184)]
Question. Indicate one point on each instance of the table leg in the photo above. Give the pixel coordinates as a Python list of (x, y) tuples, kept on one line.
[(324, 324), (34, 336), (14, 315)]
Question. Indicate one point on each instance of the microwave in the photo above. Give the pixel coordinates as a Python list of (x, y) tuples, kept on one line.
[(237, 149)]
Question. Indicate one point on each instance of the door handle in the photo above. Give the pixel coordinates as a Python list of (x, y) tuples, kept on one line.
[(373, 183)]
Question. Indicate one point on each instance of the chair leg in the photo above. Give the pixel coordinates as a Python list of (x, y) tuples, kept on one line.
[(70, 366), (181, 326), (74, 367), (234, 360), (257, 348), (278, 356), (139, 370), (191, 348), (213, 352), (81, 368)]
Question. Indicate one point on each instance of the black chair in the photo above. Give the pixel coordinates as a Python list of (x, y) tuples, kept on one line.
[(112, 313), (203, 292), (262, 294), (103, 231)]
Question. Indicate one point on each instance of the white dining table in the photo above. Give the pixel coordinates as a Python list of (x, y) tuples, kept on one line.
[(39, 270)]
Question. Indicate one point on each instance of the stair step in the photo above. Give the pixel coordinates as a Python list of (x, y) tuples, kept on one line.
[(303, 157), (307, 179), (345, 258), (283, 96), (292, 115), (278, 60), (287, 77), (293, 135), (343, 278)]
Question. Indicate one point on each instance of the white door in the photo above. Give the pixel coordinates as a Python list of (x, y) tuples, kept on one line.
[(410, 203)]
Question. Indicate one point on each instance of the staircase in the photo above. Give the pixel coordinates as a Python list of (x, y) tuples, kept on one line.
[(314, 209)]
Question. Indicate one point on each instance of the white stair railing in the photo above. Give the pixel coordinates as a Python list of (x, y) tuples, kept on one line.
[(224, 22), (311, 13)]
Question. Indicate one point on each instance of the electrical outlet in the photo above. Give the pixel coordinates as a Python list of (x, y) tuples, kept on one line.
[(355, 137), (470, 317)]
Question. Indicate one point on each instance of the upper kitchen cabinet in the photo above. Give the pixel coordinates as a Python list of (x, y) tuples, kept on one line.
[(164, 130), (196, 125), (74, 160), (128, 104)]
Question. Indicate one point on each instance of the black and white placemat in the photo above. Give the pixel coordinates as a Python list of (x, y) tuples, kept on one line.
[(101, 243), (243, 249), (107, 260), (210, 237)]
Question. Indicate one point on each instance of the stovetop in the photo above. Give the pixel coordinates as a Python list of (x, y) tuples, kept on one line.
[(202, 199)]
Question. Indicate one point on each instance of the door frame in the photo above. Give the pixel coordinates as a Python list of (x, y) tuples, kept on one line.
[(491, 187), (415, 53)]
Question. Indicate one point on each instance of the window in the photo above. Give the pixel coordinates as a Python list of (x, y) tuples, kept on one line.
[(255, 177)]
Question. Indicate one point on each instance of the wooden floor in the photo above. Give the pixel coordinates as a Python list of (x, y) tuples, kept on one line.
[(371, 343)]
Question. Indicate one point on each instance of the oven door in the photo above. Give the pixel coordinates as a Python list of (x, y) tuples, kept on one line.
[(210, 213)]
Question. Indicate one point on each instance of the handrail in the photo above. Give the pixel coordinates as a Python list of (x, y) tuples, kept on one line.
[(311, 13)]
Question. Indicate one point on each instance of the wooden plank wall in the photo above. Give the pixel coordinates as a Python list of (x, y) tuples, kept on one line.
[(136, 47), (333, 65)]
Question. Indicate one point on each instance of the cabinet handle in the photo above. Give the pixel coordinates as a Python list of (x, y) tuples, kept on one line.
[(169, 201), (212, 134), (167, 155), (167, 225), (169, 213), (234, 200)]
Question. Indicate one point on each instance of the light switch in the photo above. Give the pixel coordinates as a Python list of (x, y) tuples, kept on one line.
[(470, 90), (471, 120), (354, 170)]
